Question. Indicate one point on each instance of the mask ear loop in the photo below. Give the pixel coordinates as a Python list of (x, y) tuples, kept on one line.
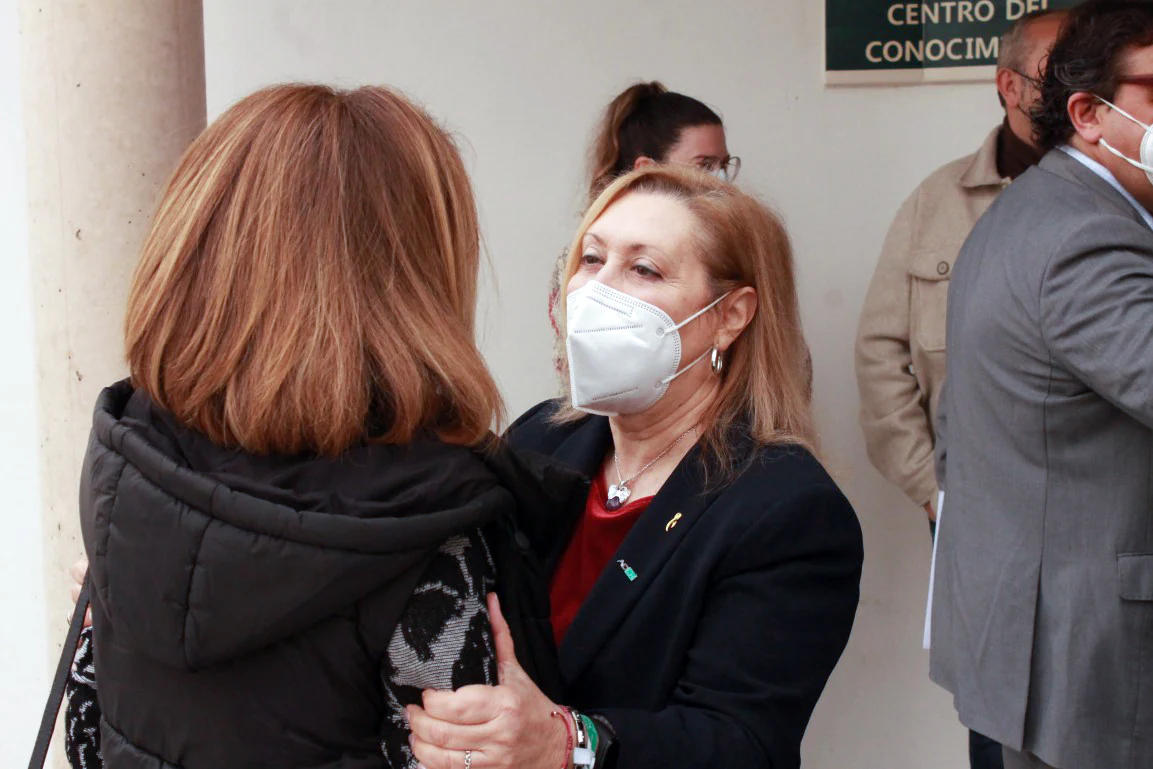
[(1114, 107), (686, 322), (1118, 153), (1136, 163), (698, 314)]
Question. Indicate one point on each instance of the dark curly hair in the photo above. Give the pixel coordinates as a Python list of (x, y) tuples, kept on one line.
[(1087, 58)]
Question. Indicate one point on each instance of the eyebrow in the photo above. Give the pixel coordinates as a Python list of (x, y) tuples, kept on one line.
[(630, 248)]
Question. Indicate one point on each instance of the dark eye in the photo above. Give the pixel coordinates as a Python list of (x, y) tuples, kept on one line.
[(646, 272), (590, 257)]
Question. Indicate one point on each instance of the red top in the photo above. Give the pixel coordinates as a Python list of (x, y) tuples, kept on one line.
[(598, 536)]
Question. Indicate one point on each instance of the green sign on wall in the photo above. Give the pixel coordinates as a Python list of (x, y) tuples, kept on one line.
[(899, 41)]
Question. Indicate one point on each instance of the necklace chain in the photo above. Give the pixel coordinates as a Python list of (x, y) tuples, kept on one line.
[(624, 484)]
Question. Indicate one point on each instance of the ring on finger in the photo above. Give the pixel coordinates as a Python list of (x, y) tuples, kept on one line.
[(468, 759)]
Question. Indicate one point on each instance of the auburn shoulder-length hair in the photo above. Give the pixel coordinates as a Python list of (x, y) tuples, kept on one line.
[(765, 388), (310, 279)]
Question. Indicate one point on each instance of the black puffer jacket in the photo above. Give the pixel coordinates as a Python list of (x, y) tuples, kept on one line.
[(246, 609)]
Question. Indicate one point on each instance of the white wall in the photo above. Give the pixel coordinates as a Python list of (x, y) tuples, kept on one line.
[(23, 641), (523, 82)]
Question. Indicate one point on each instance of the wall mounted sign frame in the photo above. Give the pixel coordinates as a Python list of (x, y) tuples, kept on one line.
[(901, 42)]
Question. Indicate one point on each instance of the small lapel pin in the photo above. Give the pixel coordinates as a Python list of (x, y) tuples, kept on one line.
[(628, 570), (673, 522)]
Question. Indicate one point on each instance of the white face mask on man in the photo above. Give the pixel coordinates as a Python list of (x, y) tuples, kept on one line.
[(622, 352), (1146, 163)]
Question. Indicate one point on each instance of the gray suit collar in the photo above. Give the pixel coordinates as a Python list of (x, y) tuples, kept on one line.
[(1069, 168)]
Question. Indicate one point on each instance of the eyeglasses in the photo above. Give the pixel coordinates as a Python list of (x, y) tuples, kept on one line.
[(729, 168), (1036, 82), (1135, 79)]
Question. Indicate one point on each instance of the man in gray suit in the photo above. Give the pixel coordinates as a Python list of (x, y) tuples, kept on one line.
[(1042, 622)]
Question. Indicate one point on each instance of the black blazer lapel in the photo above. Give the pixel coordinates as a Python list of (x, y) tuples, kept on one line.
[(586, 447), (583, 451), (653, 539)]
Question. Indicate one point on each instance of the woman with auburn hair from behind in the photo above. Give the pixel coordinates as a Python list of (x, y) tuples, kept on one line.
[(288, 509)]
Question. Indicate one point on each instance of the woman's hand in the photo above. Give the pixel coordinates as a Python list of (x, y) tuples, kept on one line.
[(78, 572), (510, 725)]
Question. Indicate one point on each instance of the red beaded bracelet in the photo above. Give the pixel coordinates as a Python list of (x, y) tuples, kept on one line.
[(565, 715)]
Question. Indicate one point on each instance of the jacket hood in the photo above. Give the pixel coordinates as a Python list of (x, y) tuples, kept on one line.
[(200, 554)]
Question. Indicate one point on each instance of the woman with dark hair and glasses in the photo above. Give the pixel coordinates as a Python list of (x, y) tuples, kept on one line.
[(646, 125)]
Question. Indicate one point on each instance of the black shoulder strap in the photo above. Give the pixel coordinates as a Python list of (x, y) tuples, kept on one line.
[(56, 696)]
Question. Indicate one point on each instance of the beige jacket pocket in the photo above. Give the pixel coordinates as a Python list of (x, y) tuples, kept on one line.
[(929, 273)]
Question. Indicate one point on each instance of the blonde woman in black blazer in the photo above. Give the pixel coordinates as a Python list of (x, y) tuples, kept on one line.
[(706, 636)]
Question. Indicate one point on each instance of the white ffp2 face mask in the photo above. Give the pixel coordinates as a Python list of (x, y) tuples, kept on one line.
[(622, 352), (1146, 163)]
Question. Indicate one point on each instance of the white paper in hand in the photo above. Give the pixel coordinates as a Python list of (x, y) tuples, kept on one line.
[(926, 642)]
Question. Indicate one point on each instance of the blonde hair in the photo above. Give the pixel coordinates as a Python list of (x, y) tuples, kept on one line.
[(309, 281), (765, 387)]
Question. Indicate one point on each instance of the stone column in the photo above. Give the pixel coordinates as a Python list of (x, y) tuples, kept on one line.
[(112, 94)]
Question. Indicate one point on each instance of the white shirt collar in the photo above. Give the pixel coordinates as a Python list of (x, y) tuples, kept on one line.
[(1108, 176)]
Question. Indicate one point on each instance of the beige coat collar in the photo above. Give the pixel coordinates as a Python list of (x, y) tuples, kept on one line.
[(982, 172)]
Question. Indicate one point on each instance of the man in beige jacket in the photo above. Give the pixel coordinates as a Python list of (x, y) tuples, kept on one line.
[(900, 356)]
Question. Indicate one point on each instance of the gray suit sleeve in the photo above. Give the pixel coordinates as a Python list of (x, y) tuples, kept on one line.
[(1096, 309), (940, 448)]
